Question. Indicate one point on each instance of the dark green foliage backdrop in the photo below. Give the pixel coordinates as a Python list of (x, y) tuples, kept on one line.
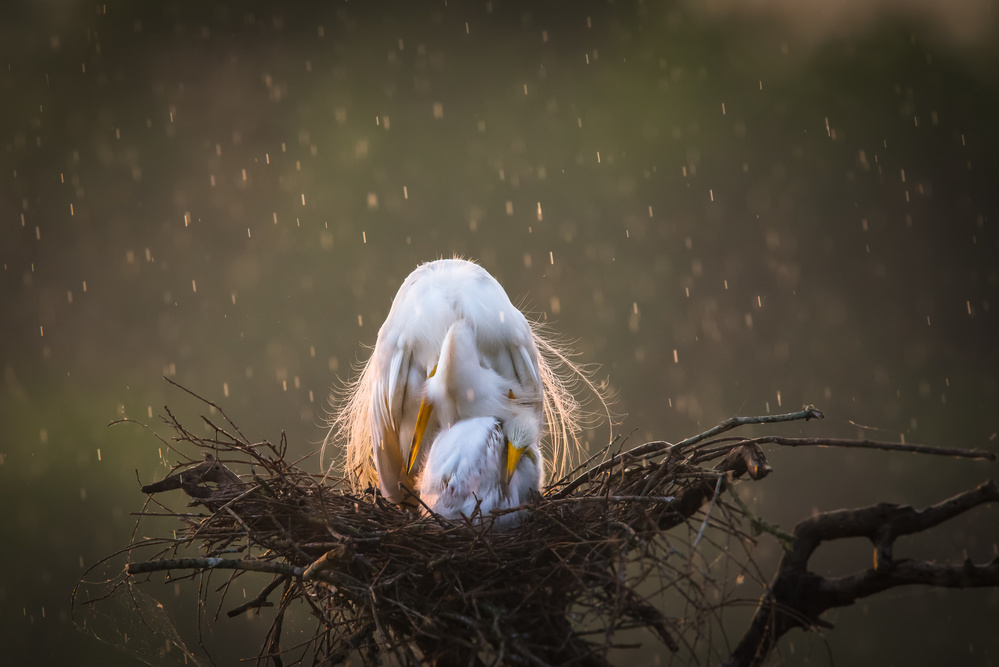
[(731, 213)]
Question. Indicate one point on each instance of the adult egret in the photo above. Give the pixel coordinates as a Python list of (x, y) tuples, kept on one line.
[(378, 420), (483, 464)]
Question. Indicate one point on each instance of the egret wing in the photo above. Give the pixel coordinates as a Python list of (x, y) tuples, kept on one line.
[(395, 403)]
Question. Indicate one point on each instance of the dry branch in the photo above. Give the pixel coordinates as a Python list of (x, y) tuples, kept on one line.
[(798, 597)]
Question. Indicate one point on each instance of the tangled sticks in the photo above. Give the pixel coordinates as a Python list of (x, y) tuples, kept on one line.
[(637, 541)]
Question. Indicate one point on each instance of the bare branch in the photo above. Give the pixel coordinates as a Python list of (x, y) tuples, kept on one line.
[(342, 581), (660, 446), (709, 454), (260, 600), (798, 597)]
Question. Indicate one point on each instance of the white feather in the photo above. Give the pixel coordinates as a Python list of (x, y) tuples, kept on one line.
[(464, 472)]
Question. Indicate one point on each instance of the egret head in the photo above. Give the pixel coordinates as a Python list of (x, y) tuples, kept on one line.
[(524, 467)]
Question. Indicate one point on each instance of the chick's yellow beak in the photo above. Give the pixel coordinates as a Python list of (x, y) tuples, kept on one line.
[(513, 456)]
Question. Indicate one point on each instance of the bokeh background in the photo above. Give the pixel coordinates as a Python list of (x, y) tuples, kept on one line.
[(733, 208)]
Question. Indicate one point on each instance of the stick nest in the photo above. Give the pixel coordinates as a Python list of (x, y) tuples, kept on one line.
[(619, 545)]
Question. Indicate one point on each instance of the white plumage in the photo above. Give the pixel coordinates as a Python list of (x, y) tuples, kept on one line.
[(473, 466), (455, 364), (463, 385), (430, 302)]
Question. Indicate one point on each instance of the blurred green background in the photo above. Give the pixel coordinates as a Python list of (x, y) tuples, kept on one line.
[(731, 210)]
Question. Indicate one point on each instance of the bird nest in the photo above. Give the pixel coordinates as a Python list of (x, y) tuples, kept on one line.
[(625, 542)]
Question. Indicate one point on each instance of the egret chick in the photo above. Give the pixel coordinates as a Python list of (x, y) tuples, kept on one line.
[(473, 465)]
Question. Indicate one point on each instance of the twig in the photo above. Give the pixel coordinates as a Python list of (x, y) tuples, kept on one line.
[(410, 496), (708, 454), (809, 412), (244, 440), (707, 513), (613, 499), (659, 446), (338, 579), (261, 598)]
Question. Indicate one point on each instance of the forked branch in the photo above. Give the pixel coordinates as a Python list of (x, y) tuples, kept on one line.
[(798, 597)]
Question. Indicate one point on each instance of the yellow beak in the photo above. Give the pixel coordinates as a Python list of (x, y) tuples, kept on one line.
[(422, 419), (513, 456)]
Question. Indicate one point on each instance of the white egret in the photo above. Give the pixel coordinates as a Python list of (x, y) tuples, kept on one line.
[(378, 422), (442, 311), (482, 464)]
